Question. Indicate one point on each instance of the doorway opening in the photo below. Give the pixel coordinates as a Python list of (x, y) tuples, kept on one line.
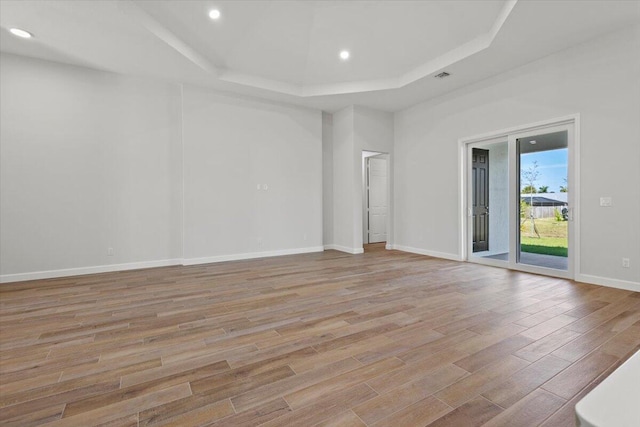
[(375, 200), (518, 192), (490, 199)]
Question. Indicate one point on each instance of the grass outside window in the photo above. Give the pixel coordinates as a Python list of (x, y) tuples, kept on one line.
[(553, 237)]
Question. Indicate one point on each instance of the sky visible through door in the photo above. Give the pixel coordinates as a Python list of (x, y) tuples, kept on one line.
[(552, 168)]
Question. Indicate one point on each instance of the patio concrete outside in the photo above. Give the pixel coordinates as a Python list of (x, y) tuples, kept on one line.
[(539, 260)]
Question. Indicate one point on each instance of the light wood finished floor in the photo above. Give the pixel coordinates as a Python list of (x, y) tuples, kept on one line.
[(380, 339)]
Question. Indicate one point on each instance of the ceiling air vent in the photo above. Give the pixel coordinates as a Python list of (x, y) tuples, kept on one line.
[(442, 75)]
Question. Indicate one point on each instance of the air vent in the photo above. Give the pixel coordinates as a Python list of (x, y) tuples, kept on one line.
[(442, 75)]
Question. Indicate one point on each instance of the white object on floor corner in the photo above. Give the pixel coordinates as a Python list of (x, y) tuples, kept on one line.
[(615, 401)]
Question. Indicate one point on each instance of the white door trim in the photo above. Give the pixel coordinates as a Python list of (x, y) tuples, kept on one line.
[(363, 200), (573, 122)]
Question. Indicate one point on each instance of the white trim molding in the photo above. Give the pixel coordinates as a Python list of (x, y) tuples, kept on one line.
[(70, 272), (80, 271), (250, 255), (352, 251), (435, 254), (611, 283)]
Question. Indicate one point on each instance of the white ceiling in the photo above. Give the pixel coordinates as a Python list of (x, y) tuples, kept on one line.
[(544, 142), (288, 50)]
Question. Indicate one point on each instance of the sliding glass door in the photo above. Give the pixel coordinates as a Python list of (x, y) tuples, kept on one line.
[(519, 200)]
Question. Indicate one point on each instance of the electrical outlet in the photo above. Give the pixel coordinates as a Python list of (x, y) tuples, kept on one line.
[(110, 252), (304, 236), (626, 263), (606, 202), (259, 241)]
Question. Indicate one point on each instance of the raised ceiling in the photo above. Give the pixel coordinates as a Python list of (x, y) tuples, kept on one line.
[(293, 46), (288, 50)]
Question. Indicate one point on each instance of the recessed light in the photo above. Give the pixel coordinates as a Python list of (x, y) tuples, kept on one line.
[(344, 55), (442, 75), (21, 33), (214, 14), (533, 142)]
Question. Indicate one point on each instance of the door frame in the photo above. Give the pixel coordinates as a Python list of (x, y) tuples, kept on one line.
[(572, 124), (364, 202)]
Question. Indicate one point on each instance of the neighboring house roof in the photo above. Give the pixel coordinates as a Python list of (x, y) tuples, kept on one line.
[(542, 201), (561, 197)]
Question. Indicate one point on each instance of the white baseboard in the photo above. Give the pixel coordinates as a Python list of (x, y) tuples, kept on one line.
[(250, 255), (445, 255), (353, 251), (611, 283), (68, 272), (51, 274)]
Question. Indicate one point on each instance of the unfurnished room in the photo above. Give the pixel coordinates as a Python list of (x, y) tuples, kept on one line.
[(320, 213)]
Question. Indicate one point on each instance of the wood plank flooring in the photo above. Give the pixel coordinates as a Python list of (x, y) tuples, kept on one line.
[(380, 339)]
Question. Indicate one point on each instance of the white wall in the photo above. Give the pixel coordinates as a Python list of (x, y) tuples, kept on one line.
[(344, 184), (600, 80), (373, 131), (92, 160), (355, 129), (89, 160), (232, 145), (327, 179)]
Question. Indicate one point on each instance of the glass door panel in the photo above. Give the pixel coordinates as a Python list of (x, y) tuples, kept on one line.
[(543, 203)]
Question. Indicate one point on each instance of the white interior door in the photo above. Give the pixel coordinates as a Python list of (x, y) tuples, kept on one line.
[(377, 198)]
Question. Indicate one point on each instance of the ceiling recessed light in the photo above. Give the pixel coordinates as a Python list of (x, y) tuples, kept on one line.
[(214, 14), (533, 142), (21, 33), (344, 55), (442, 75)]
